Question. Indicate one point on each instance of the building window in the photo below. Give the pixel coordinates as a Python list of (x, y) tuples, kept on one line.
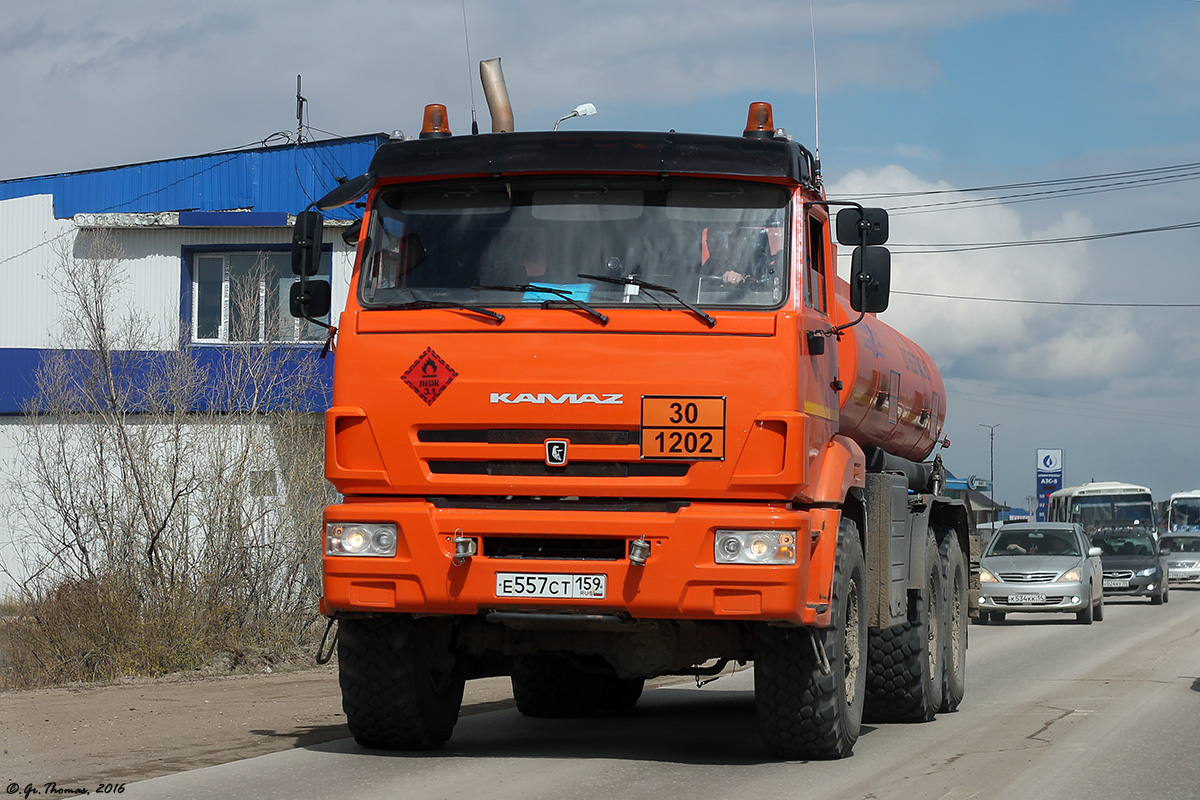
[(243, 297)]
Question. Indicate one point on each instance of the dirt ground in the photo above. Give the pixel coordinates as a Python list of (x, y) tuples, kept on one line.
[(120, 733)]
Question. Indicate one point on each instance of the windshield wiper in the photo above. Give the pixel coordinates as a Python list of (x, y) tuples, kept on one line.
[(487, 312), (565, 294), (654, 287)]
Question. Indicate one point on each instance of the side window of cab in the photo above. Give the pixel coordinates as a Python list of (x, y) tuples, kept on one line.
[(814, 257)]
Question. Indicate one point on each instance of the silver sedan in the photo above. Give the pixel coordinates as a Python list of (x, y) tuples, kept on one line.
[(1041, 567), (1183, 561)]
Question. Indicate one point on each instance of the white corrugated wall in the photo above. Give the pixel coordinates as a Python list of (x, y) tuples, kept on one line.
[(32, 243)]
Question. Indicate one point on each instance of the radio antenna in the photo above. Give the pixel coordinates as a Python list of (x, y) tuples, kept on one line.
[(470, 80), (300, 101), (816, 106)]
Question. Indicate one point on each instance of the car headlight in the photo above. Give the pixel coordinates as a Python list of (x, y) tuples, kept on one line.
[(1070, 576), (754, 547), (1147, 572), (987, 577), (360, 539)]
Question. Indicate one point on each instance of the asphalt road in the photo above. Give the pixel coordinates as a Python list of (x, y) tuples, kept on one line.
[(1053, 709)]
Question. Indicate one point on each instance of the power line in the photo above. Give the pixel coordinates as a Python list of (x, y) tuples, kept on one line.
[(1047, 302), (934, 248)]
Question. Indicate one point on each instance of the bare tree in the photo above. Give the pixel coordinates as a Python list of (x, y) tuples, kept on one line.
[(171, 509)]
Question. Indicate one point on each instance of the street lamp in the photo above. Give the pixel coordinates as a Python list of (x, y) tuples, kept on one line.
[(992, 465)]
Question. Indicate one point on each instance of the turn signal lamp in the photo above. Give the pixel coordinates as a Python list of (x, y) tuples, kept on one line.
[(436, 125), (760, 122)]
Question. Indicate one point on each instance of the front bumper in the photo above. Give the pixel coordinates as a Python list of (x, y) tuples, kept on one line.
[(1033, 597), (1179, 573), (1147, 586), (679, 579)]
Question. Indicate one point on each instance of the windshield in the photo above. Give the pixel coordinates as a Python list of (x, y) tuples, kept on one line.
[(1129, 508), (1182, 544), (1034, 542), (1137, 545), (714, 242), (1185, 513)]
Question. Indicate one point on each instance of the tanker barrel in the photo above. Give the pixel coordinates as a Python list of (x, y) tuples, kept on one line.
[(919, 475)]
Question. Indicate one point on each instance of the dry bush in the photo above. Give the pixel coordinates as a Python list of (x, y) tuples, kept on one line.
[(171, 512)]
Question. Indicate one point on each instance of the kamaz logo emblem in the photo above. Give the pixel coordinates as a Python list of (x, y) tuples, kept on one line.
[(556, 452), (557, 399)]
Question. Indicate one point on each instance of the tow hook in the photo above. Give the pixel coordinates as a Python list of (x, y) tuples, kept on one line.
[(639, 551), (464, 548)]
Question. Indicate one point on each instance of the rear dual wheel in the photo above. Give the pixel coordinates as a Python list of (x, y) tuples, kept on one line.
[(553, 686), (954, 671), (905, 679)]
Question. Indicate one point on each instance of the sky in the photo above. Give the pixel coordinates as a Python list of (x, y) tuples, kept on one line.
[(1088, 110)]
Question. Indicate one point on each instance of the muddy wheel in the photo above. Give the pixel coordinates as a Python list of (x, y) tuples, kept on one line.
[(402, 686), (808, 709), (954, 571), (904, 679), (550, 685)]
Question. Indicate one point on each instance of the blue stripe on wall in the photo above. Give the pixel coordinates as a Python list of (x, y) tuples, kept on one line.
[(19, 367)]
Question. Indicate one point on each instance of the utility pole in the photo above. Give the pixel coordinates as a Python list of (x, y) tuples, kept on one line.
[(992, 466)]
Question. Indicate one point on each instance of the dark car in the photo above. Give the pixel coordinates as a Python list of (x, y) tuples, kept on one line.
[(1134, 566)]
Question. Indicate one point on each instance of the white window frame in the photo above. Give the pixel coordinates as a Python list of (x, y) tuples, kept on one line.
[(316, 334)]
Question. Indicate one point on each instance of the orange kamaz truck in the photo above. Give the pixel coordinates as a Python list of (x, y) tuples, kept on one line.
[(603, 411)]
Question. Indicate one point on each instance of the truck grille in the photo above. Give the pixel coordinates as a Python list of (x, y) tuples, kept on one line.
[(583, 469), (529, 436), (1028, 577), (555, 547)]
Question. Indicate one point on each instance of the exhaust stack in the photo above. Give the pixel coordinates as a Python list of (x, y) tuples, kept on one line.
[(496, 94)]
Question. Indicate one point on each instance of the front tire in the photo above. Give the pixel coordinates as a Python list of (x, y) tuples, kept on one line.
[(804, 713), (402, 685), (1086, 616)]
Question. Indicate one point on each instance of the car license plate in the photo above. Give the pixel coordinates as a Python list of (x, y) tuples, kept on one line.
[(527, 584), (1018, 599), (1115, 584)]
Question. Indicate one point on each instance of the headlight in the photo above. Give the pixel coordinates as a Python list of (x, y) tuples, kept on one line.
[(1147, 572), (360, 539), (1070, 576), (755, 547), (987, 577)]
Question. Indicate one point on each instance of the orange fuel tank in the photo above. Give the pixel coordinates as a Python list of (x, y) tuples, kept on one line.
[(892, 394)]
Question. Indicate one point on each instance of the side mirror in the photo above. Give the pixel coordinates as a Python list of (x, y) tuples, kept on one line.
[(1165, 551), (346, 193), (352, 232), (306, 243), (852, 223), (870, 279), (1095, 551), (309, 299)]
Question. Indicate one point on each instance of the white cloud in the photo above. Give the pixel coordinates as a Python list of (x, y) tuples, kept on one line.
[(1009, 341)]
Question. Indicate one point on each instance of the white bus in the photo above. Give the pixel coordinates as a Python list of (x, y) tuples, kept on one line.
[(1102, 502), (1183, 513)]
